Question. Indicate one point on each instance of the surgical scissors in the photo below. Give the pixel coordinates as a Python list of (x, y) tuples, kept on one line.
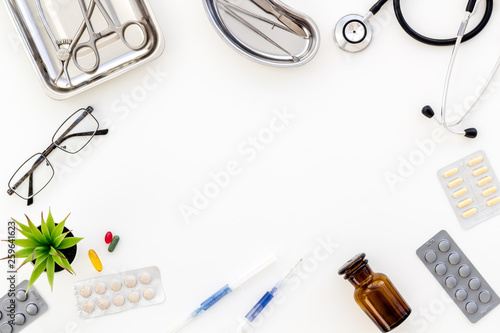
[(94, 37)]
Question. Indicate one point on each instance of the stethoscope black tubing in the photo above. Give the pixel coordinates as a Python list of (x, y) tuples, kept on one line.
[(442, 42)]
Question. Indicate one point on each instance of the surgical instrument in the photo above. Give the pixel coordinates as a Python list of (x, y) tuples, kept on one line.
[(256, 30), (112, 29), (224, 291), (50, 30), (269, 8), (64, 46), (267, 31), (353, 33), (267, 298), (71, 48), (254, 15)]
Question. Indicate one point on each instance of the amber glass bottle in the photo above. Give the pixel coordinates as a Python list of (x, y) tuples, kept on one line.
[(375, 294)]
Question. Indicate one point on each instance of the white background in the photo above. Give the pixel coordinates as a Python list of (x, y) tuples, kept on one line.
[(321, 179)]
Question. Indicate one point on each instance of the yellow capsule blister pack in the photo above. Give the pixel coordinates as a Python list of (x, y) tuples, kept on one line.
[(472, 188)]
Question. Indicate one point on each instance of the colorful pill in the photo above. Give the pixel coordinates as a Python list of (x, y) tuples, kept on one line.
[(450, 173), (475, 161), (460, 192), (114, 243), (489, 191), (94, 259), (469, 212), (455, 182), (480, 171), (464, 203), (484, 181), (493, 201), (108, 238)]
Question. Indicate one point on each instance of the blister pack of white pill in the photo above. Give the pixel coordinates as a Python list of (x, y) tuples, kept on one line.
[(119, 292), (472, 188)]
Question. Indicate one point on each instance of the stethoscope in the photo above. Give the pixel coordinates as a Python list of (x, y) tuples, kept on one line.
[(353, 33)]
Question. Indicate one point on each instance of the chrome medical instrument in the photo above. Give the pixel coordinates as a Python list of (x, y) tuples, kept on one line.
[(65, 47), (266, 31), (429, 112), (73, 46), (228, 4), (353, 33), (256, 30), (268, 8), (112, 29)]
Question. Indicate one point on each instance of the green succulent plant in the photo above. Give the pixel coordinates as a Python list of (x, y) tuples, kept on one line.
[(44, 247)]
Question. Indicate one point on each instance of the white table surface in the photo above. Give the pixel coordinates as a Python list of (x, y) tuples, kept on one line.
[(321, 180)]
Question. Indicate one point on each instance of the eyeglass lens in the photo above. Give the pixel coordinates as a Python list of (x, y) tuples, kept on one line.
[(76, 132), (41, 172)]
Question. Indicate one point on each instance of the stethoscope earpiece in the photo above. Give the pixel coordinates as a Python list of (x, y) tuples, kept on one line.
[(470, 133), (428, 111), (353, 33)]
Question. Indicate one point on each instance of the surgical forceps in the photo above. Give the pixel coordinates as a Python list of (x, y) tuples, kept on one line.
[(288, 25), (68, 48), (110, 30)]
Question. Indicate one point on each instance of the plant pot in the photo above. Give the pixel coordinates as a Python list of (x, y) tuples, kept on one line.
[(69, 253)]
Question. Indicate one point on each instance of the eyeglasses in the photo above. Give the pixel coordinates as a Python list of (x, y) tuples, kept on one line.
[(75, 132)]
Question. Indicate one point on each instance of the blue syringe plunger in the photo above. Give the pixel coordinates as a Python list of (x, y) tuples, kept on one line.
[(268, 297), (257, 309)]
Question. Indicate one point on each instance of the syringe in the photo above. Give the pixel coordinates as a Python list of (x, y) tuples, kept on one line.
[(224, 291), (266, 299)]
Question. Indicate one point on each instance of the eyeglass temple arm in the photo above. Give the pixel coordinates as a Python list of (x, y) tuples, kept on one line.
[(62, 139), (47, 152), (30, 190)]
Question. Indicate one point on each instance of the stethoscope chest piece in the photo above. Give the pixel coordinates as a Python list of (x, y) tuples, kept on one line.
[(353, 33)]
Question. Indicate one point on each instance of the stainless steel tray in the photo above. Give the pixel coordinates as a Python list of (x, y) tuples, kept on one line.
[(257, 33), (49, 30)]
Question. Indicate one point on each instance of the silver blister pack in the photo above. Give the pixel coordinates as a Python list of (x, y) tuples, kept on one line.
[(19, 309), (458, 276), (471, 186), (119, 292)]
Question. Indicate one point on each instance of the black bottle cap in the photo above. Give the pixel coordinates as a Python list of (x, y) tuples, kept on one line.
[(471, 133), (352, 264), (428, 111)]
